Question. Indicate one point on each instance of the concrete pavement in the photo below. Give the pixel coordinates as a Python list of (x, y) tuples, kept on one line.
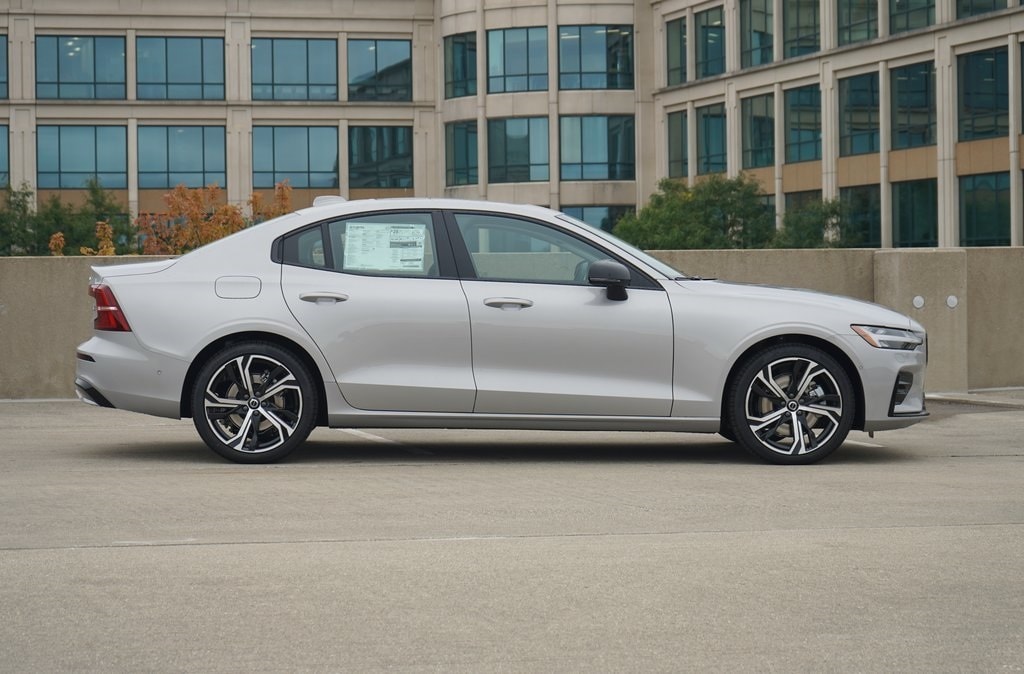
[(125, 545)]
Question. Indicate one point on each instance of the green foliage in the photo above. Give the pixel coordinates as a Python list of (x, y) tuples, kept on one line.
[(717, 212), (27, 232), (815, 224)]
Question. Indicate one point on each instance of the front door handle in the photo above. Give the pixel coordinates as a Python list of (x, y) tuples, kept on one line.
[(323, 297), (508, 302)]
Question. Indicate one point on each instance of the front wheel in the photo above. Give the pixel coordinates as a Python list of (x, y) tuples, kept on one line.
[(254, 402), (791, 404)]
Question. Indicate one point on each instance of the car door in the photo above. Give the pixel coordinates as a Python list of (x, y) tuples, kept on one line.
[(378, 295), (545, 341)]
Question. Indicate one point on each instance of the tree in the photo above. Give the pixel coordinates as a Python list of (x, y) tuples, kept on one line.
[(717, 212), (813, 224)]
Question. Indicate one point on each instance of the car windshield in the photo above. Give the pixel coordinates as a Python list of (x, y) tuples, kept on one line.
[(654, 262)]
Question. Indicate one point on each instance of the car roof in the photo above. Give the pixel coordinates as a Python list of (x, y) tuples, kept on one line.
[(339, 207)]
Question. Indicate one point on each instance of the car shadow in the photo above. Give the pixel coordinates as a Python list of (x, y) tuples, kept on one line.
[(427, 451)]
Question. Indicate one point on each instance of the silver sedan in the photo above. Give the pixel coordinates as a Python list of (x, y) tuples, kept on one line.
[(457, 314)]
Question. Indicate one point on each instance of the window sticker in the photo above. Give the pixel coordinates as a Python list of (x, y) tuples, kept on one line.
[(380, 247)]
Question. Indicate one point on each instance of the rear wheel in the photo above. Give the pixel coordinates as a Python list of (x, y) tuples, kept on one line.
[(254, 402), (791, 404)]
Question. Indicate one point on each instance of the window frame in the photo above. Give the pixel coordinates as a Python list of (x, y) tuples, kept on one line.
[(796, 149), (504, 140), (274, 172), (905, 129), (751, 152), (91, 175), (909, 18), (534, 79), (42, 42), (379, 139), (799, 38), (400, 92), (471, 169), (307, 84), (618, 170), (966, 66), (614, 79), (167, 184), (706, 64), (167, 83), (678, 121), (1001, 191), (851, 30), (675, 58), (851, 133), (899, 227), (705, 158), (750, 55), (460, 57)]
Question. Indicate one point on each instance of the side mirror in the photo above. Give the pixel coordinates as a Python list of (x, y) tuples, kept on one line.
[(612, 275)]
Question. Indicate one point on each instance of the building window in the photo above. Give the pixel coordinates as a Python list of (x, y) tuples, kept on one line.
[(985, 209), (797, 201), (910, 14), (675, 39), (80, 67), (755, 32), (603, 217), (711, 139), (287, 69), (517, 60), (595, 57), (5, 156), (859, 114), (380, 157), (460, 153), (965, 8), (517, 150), (984, 92), (460, 65), (915, 213), (802, 27), (69, 157), (678, 145), (862, 213), (803, 124), (3, 67), (305, 156), (758, 131), (913, 105), (596, 147), (379, 70), (180, 68), (710, 42), (193, 156), (858, 20)]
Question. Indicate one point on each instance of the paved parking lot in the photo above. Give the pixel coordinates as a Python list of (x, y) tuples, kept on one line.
[(125, 545)]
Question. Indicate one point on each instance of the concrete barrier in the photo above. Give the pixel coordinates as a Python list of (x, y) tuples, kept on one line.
[(968, 299)]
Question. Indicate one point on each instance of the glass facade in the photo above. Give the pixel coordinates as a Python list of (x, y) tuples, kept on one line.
[(710, 38), (859, 115), (796, 201), (910, 14), (985, 209), (517, 149), (380, 157), (595, 57), (517, 60), (287, 69), (460, 153), (803, 124), (711, 139), (597, 147), (913, 105), (758, 131), (193, 156), (862, 214), (80, 67), (801, 21), (604, 217), (915, 213), (305, 156), (965, 8), (755, 32), (675, 57), (3, 67), (678, 145), (984, 94), (858, 20), (68, 157), (179, 68), (460, 65), (379, 70)]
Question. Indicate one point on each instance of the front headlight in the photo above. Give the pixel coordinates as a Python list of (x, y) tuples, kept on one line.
[(889, 338)]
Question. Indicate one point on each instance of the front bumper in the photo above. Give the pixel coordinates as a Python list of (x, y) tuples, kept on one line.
[(893, 383)]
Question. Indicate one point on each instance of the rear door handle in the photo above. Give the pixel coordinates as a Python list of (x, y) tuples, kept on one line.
[(323, 297), (508, 302)]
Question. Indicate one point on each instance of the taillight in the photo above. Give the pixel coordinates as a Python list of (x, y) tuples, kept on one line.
[(108, 312)]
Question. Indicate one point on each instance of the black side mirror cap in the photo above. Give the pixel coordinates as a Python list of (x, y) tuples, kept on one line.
[(612, 275)]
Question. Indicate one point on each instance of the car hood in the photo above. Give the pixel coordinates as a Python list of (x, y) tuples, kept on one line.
[(798, 301)]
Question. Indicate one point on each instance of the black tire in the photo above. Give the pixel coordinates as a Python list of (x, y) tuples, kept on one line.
[(785, 387), (254, 402), (726, 432)]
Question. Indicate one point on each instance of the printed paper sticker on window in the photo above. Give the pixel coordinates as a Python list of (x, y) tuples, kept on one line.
[(384, 247)]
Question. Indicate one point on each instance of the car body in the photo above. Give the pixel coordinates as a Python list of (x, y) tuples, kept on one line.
[(449, 313)]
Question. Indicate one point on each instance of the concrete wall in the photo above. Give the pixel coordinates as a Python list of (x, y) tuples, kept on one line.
[(968, 299)]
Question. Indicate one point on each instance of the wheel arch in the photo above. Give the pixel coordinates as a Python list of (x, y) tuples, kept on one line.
[(808, 340), (252, 336)]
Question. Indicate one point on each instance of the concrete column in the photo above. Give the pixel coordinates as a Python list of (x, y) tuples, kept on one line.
[(1016, 191), (129, 63), (691, 46), (343, 167), (828, 28), (238, 60), (885, 142), (732, 35), (482, 156), (946, 132), (691, 142), (343, 69), (238, 145), (778, 46), (554, 128), (779, 101), (883, 18), (22, 153), (133, 166), (829, 131)]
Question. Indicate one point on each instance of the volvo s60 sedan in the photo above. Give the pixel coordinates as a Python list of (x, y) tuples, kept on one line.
[(457, 314)]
